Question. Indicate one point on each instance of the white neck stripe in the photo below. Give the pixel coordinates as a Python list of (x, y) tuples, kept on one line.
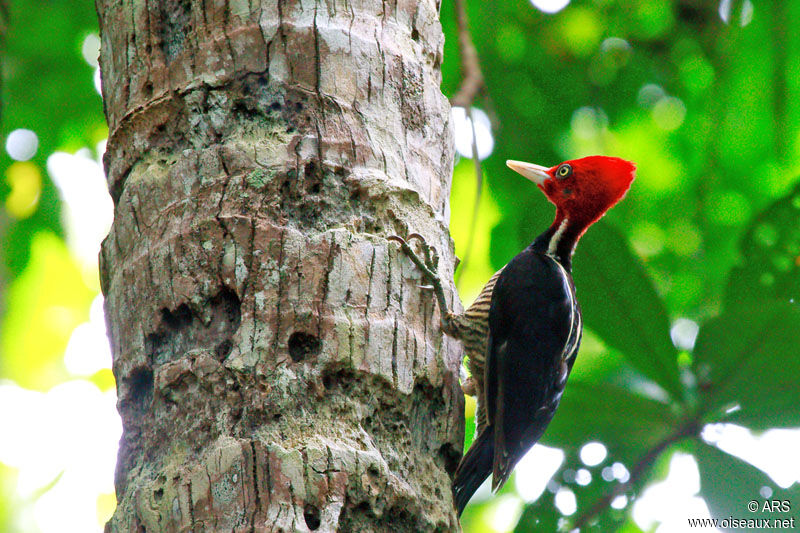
[(572, 314), (553, 246)]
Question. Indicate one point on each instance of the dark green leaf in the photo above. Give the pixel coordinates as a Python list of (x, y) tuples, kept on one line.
[(620, 304), (747, 364), (587, 496), (540, 515), (771, 256), (627, 423)]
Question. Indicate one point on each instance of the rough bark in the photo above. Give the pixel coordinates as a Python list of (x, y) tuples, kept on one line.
[(277, 365)]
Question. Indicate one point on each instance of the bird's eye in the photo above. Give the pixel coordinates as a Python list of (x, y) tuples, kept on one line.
[(564, 171)]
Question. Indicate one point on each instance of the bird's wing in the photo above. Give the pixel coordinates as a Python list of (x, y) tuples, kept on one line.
[(533, 339)]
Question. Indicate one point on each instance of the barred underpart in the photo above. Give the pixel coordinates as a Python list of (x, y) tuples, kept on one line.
[(472, 329)]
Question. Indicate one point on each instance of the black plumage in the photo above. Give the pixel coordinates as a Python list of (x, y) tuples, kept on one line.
[(535, 330)]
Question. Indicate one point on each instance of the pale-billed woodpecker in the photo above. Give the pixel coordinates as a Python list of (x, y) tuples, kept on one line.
[(522, 332)]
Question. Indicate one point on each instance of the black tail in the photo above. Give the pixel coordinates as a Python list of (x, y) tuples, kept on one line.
[(473, 469)]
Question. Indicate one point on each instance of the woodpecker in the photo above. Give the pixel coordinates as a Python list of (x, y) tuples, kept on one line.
[(523, 331)]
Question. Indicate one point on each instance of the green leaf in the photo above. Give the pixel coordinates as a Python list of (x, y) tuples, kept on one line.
[(540, 515), (629, 527), (746, 363), (587, 496), (620, 304), (771, 256), (728, 484), (627, 423)]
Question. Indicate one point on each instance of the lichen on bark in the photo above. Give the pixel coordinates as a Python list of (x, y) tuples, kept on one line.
[(278, 367)]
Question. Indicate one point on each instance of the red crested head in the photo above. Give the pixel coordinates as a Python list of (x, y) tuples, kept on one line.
[(581, 189)]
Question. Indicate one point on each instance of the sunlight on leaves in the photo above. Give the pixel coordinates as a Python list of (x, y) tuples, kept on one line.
[(581, 30), (729, 485), (25, 181), (478, 269), (45, 304)]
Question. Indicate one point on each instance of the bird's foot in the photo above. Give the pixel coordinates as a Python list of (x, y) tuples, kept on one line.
[(429, 265), (450, 323)]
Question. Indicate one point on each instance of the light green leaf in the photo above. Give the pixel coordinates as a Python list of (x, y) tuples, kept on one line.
[(729, 484), (45, 303)]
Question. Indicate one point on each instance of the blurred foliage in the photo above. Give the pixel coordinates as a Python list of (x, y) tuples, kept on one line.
[(770, 251), (703, 96), (47, 88), (51, 296), (747, 366)]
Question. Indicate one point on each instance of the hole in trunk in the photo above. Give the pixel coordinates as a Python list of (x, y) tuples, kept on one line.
[(140, 388), (302, 345), (311, 515)]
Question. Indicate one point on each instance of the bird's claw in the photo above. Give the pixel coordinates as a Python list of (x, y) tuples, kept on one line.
[(396, 238), (429, 265), (420, 238)]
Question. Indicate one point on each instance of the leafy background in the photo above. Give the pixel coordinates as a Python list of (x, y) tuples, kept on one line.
[(686, 377)]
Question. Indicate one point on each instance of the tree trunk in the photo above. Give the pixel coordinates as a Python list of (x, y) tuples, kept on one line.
[(277, 365)]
